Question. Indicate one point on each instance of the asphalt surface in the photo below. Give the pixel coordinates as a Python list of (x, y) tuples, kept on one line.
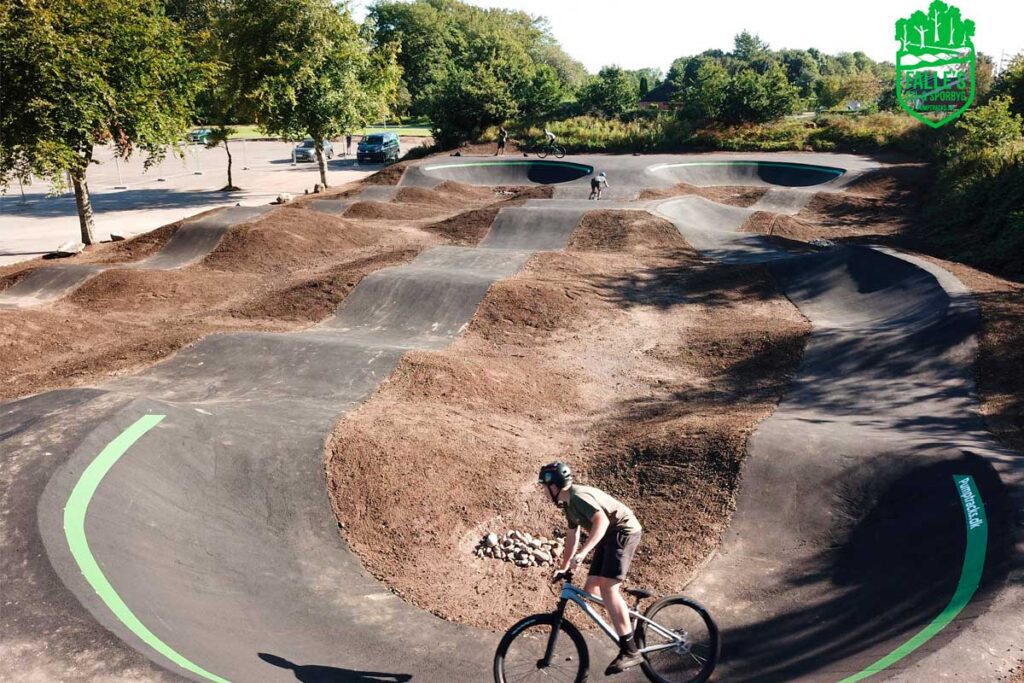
[(215, 531), (192, 241)]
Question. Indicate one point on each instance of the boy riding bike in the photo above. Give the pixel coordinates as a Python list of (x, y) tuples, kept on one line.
[(613, 533)]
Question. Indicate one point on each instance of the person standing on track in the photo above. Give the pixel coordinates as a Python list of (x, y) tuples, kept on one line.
[(613, 534), (598, 184), (502, 139)]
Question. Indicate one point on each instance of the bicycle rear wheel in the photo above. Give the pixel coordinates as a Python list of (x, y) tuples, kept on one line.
[(695, 647), (523, 646), (542, 152)]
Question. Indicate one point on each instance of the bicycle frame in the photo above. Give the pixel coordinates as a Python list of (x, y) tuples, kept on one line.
[(582, 599)]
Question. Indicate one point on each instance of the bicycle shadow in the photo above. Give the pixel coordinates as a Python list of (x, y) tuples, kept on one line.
[(313, 673)]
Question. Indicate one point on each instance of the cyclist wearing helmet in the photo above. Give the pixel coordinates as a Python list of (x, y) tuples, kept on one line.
[(597, 185), (549, 136), (613, 533)]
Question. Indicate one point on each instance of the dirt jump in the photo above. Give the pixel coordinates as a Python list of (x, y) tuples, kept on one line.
[(176, 523)]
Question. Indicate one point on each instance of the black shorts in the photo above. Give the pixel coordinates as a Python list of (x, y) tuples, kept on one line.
[(614, 554)]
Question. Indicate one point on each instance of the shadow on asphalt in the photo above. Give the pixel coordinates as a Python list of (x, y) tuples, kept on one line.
[(311, 673), (892, 570)]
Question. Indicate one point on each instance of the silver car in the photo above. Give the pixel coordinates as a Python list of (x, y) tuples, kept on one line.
[(306, 150)]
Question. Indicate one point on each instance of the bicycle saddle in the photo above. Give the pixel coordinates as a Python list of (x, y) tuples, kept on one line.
[(639, 593)]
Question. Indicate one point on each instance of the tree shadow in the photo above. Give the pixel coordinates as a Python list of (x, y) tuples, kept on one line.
[(889, 573), (311, 673)]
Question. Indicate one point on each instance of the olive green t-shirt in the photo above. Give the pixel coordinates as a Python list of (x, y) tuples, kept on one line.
[(585, 501)]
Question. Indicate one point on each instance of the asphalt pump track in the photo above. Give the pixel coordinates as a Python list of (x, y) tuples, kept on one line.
[(176, 523)]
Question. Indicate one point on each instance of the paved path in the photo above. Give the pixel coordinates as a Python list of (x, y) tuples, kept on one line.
[(184, 511)]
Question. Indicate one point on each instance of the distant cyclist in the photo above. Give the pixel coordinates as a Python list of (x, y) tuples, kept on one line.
[(613, 533), (598, 184), (549, 137)]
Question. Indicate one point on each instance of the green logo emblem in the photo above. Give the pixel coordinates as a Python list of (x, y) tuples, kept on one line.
[(935, 64)]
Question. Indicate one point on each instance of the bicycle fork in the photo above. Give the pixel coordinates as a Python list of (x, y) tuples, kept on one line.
[(553, 638)]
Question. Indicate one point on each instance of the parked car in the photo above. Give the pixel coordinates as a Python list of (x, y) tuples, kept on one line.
[(306, 150), (378, 147), (199, 135)]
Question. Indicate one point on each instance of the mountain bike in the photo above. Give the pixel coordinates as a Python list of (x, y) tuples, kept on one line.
[(677, 637), (553, 148)]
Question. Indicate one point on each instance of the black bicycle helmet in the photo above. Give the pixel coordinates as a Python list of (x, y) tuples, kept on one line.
[(557, 473)]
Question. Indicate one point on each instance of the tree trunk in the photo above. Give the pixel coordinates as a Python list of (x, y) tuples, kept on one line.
[(231, 185), (84, 204), (319, 142)]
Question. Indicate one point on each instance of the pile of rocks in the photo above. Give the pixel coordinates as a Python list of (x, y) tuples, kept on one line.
[(521, 549)]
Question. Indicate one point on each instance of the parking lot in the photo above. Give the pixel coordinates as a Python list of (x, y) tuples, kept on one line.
[(129, 199)]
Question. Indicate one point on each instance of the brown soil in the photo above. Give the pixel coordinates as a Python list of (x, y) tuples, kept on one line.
[(1000, 366), (287, 271), (629, 356), (389, 175), (723, 194), (388, 211), (882, 202), (791, 227), (469, 227)]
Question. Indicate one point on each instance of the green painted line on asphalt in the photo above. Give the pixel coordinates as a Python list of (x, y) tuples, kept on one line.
[(74, 531), (970, 577), (521, 162), (776, 164)]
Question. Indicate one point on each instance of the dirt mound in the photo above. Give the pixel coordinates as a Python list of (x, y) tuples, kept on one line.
[(466, 228), (723, 194), (893, 181), (429, 197), (124, 290), (389, 175), (140, 247), (639, 366), (790, 227), (317, 296), (288, 239), (618, 230), (389, 211), (461, 190)]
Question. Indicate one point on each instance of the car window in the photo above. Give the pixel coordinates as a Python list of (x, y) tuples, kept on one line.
[(375, 140), (306, 143)]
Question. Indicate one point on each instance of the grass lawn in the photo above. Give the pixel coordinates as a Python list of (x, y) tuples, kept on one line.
[(411, 128)]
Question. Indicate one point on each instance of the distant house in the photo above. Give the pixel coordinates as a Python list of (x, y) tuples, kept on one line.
[(660, 97)]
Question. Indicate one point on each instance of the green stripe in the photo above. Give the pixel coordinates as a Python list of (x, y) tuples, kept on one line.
[(74, 530), (970, 577), (777, 164), (538, 162)]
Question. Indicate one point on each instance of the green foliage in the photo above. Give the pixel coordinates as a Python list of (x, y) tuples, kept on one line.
[(989, 132), (506, 55), (308, 69), (85, 72), (598, 134), (1011, 83), (612, 92), (754, 97)]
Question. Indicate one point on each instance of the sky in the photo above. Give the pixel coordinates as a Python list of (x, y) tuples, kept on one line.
[(651, 33)]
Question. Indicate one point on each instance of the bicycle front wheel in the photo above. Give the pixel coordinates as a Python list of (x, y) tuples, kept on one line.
[(687, 641), (521, 653), (559, 152)]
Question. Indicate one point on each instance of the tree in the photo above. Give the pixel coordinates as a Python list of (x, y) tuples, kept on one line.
[(992, 131), (749, 47), (984, 74), (1011, 84), (77, 73), (752, 97), (705, 95), (309, 69), (611, 93)]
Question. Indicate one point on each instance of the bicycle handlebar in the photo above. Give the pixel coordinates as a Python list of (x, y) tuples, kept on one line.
[(562, 576)]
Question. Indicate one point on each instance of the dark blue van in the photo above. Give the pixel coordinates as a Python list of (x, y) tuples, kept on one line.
[(380, 148)]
